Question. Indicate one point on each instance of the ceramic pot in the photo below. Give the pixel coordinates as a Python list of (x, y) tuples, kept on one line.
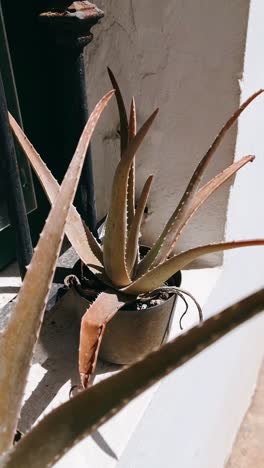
[(132, 333)]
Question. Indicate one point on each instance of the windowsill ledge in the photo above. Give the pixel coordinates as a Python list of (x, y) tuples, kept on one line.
[(52, 375)]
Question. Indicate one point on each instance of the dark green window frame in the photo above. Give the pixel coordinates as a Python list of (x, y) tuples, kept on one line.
[(7, 237)]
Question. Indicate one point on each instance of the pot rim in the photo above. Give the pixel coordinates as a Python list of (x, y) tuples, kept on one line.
[(176, 279)]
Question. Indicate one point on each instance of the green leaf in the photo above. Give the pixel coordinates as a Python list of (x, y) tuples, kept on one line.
[(133, 236), (122, 113), (199, 198), (77, 232), (132, 128), (19, 337), (131, 179), (127, 133), (154, 256), (68, 424), (116, 225), (154, 278)]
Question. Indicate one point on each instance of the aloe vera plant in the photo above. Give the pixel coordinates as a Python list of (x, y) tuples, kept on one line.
[(73, 420), (117, 264)]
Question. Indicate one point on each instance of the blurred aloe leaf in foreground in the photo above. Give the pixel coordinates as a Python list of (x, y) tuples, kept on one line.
[(59, 431), (18, 339)]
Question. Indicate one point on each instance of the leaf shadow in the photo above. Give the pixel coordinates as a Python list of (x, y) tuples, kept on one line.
[(55, 367)]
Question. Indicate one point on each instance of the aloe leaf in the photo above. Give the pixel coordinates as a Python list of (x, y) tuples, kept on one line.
[(199, 198), (133, 236), (131, 180), (122, 113), (132, 128), (153, 257), (79, 235), (159, 274), (19, 337), (68, 424), (116, 225), (93, 325), (127, 133)]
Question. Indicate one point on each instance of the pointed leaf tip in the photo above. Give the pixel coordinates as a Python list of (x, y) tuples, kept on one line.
[(122, 112)]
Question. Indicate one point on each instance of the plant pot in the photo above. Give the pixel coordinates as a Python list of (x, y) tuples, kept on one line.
[(132, 333)]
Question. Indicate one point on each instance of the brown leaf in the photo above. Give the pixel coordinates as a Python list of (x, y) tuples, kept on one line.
[(92, 328)]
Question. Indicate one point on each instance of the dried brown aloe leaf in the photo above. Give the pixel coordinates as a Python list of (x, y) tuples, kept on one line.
[(154, 256), (93, 325), (68, 424)]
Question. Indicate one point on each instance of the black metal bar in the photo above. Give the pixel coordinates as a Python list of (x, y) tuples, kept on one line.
[(72, 105), (13, 189), (69, 25)]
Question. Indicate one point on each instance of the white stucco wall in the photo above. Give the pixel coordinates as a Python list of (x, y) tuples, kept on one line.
[(186, 58), (195, 415)]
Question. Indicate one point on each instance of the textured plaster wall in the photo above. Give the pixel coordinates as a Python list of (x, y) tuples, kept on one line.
[(195, 415), (186, 58)]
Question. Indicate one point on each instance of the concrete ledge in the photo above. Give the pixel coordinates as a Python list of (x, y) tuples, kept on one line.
[(54, 371)]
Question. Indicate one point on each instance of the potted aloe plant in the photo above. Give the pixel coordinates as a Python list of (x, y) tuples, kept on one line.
[(121, 278), (68, 424)]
